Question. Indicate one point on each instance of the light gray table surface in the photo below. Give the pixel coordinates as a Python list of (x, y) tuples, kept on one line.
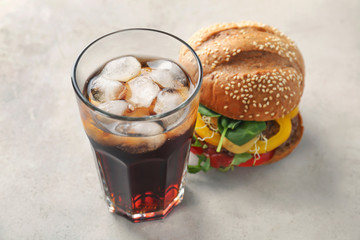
[(49, 187)]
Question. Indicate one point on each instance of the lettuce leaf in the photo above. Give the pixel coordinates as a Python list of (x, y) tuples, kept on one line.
[(207, 112), (237, 131), (240, 132), (203, 165), (241, 158)]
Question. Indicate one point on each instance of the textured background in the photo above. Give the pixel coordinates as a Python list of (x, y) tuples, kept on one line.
[(49, 188)]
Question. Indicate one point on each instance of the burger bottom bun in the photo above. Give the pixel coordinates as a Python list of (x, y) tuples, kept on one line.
[(287, 147)]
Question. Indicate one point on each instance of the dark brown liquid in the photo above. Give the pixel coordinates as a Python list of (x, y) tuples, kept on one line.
[(146, 182)]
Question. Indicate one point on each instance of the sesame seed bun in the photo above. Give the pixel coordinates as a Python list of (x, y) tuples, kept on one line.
[(251, 71)]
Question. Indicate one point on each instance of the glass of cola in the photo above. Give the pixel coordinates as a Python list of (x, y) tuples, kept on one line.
[(138, 104)]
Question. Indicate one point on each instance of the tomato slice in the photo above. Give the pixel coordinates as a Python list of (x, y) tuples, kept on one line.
[(263, 158), (197, 150), (220, 160), (223, 160)]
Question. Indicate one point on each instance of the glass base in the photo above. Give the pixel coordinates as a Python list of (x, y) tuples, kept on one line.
[(141, 217)]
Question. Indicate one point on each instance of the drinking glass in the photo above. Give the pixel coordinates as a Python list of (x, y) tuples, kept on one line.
[(142, 173)]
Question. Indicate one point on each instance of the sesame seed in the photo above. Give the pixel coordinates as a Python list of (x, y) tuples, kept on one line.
[(225, 107), (258, 115)]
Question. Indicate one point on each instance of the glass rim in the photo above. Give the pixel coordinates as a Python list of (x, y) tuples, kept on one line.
[(144, 118)]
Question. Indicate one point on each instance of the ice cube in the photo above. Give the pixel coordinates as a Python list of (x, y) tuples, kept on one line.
[(180, 122), (117, 107), (122, 69), (164, 78), (143, 136), (160, 64), (171, 68), (104, 90), (145, 128), (143, 91), (167, 100)]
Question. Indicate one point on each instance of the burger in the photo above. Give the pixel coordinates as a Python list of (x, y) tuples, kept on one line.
[(253, 79)]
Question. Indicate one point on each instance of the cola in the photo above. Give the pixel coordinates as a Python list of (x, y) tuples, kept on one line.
[(141, 163), (143, 182)]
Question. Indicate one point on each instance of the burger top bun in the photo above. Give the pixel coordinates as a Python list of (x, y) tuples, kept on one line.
[(251, 71)]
